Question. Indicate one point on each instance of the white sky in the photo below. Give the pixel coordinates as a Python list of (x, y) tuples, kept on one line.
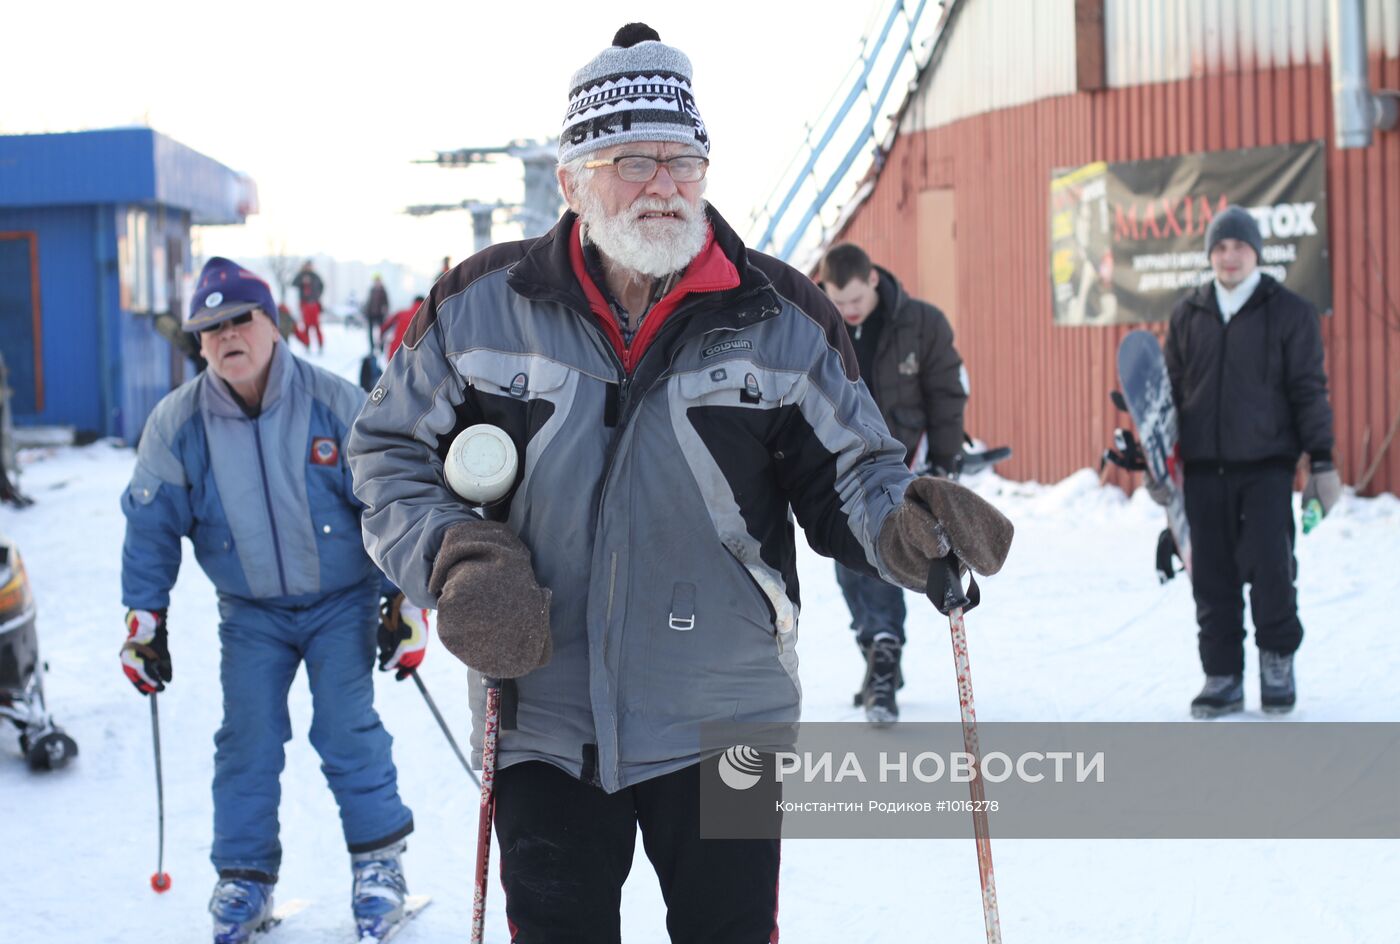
[(325, 106)]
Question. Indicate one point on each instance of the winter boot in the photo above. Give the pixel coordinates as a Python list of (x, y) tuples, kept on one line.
[(1277, 691), (241, 907), (881, 680), (1221, 695), (859, 700), (379, 891)]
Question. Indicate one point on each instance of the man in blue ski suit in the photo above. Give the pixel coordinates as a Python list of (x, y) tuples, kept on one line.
[(247, 460)]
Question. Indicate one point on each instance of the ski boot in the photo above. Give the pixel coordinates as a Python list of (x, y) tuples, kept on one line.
[(379, 892), (1277, 690), (242, 907), (1221, 695), (881, 679)]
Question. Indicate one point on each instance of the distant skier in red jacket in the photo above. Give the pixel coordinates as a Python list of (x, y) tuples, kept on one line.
[(309, 288), (396, 325)]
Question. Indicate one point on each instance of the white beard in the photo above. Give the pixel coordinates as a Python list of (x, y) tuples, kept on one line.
[(654, 249)]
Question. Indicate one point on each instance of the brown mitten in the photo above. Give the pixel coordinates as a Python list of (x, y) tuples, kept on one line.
[(491, 613), (938, 515)]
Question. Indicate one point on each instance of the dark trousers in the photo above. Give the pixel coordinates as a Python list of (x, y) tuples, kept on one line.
[(566, 849), (1242, 533), (876, 607), (376, 325)]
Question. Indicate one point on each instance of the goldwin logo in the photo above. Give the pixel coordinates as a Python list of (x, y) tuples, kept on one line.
[(740, 767), (724, 347)]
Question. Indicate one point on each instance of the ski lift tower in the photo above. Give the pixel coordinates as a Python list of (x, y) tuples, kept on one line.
[(541, 206)]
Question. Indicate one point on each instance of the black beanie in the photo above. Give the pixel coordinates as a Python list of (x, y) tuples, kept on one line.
[(1235, 223)]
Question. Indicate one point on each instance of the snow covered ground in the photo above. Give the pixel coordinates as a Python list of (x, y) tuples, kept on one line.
[(1075, 629)]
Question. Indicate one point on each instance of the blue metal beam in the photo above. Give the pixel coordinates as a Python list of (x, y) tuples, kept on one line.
[(866, 135), (834, 126)]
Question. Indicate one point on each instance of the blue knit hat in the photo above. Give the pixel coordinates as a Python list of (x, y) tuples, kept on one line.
[(1234, 223), (638, 89), (227, 290)]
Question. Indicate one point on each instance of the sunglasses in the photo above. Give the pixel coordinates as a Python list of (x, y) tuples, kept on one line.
[(237, 321)]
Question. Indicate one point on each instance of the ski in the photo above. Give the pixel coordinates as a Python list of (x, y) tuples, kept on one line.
[(412, 905), (279, 914)]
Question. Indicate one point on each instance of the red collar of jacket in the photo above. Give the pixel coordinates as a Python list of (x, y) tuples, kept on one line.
[(710, 271)]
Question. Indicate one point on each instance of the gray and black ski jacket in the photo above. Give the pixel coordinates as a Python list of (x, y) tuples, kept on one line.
[(656, 497)]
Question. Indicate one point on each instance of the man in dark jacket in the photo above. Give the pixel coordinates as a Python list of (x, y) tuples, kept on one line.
[(905, 350), (376, 310), (1245, 359)]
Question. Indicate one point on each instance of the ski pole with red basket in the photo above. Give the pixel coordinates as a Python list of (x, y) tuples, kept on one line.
[(160, 880)]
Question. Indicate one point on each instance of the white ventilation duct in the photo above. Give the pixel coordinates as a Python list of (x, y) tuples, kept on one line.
[(1355, 110)]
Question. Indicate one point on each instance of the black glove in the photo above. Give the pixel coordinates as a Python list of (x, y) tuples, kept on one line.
[(945, 467), (145, 655)]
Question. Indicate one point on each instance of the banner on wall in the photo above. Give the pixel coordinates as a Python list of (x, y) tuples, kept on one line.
[(1128, 239)]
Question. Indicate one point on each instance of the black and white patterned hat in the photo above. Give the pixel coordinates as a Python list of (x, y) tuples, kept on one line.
[(638, 89)]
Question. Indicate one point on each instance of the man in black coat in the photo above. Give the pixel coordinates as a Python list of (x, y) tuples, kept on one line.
[(1245, 359), (376, 310), (905, 350)]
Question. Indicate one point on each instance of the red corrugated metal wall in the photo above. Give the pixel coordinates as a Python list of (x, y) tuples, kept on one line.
[(1044, 388)]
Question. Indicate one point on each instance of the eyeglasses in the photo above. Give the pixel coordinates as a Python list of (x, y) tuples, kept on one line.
[(638, 168), (237, 321)]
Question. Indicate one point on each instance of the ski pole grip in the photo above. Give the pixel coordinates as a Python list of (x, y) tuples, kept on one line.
[(945, 589), (510, 699)]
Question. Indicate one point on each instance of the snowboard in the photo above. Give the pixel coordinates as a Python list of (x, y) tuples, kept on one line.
[(1142, 374), (975, 461)]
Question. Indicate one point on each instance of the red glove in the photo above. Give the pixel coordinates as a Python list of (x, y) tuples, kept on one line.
[(145, 655), (403, 636)]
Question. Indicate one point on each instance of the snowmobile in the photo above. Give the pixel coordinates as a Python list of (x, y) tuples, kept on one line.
[(45, 745)]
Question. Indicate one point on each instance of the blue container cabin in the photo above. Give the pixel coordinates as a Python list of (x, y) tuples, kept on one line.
[(94, 243)]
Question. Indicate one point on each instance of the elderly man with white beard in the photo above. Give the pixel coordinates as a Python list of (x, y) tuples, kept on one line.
[(675, 400)]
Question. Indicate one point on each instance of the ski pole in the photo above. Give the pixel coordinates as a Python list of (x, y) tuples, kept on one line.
[(946, 592), (488, 805), (160, 881), (442, 723)]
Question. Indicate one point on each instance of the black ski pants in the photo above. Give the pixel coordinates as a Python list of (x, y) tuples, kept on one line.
[(1242, 533), (566, 848)]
